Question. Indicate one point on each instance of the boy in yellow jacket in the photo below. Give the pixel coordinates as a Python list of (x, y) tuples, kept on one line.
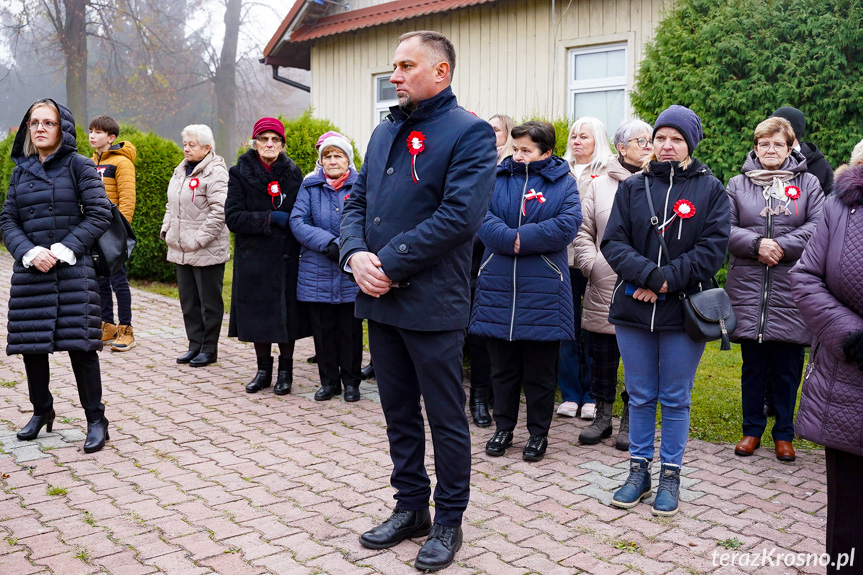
[(114, 162)]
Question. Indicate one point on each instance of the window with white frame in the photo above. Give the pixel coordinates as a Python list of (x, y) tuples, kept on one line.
[(597, 84), (385, 96)]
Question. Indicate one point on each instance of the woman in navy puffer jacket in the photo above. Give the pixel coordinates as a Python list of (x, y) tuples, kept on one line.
[(315, 221), (523, 302), (55, 211)]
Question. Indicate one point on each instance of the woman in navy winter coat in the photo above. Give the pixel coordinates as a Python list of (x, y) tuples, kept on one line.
[(523, 302), (329, 292), (55, 210), (659, 358)]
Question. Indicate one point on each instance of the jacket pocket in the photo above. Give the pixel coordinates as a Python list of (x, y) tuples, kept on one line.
[(485, 263), (552, 266), (812, 356)]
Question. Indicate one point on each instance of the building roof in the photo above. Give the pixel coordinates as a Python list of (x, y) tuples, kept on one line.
[(291, 44)]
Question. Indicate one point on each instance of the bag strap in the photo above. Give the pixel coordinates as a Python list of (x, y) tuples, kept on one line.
[(654, 221), (74, 175)]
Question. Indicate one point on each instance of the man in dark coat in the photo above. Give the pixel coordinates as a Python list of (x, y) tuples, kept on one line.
[(816, 163), (406, 235)]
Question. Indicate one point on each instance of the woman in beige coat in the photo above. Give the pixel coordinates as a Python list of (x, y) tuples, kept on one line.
[(194, 229), (632, 141), (587, 153)]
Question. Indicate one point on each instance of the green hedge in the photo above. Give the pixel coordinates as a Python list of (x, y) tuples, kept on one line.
[(154, 165), (735, 62)]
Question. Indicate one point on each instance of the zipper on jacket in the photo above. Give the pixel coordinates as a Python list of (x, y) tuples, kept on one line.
[(659, 257), (552, 266), (515, 257), (485, 263), (765, 283)]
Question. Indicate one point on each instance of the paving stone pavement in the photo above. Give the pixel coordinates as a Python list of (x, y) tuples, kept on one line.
[(200, 477)]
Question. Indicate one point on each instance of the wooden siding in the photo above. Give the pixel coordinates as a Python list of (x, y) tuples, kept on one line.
[(511, 57)]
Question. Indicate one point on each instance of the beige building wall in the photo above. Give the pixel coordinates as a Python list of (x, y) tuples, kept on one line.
[(512, 57)]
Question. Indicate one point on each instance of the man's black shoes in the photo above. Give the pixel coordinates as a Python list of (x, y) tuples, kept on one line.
[(402, 524), (439, 549)]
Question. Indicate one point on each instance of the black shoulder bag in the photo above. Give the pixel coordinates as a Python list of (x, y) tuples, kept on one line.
[(707, 314), (114, 247)]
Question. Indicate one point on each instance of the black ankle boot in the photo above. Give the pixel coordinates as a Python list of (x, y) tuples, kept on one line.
[(97, 435), (327, 392), (284, 377), (31, 430), (264, 377), (479, 406)]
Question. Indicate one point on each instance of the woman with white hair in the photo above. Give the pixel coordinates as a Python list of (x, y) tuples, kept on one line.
[(632, 141), (194, 229), (329, 293), (587, 153)]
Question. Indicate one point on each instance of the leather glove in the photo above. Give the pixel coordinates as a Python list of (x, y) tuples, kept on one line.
[(853, 349), (279, 218), (332, 251)]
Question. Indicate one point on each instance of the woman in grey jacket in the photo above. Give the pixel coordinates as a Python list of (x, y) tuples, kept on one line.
[(775, 205), (828, 287)]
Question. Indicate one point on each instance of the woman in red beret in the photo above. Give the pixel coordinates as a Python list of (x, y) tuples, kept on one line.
[(262, 188)]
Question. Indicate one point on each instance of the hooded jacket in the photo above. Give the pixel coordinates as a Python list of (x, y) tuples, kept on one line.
[(827, 284), (597, 199), (315, 221), (194, 223), (697, 243), (117, 168), (57, 310), (818, 166), (528, 296), (760, 294)]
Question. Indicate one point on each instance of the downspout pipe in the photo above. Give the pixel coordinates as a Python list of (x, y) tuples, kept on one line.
[(288, 81)]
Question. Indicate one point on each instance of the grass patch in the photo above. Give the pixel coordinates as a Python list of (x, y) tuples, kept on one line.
[(68, 420), (53, 490), (5, 383), (628, 547), (83, 555), (733, 543)]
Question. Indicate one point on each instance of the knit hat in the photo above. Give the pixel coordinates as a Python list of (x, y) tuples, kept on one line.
[(684, 121), (326, 135), (795, 117), (269, 125), (339, 142)]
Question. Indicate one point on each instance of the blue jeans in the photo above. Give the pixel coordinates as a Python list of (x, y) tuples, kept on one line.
[(119, 285), (573, 371), (658, 367)]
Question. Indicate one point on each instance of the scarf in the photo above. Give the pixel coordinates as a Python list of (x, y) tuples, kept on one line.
[(336, 184), (773, 184), (268, 167)]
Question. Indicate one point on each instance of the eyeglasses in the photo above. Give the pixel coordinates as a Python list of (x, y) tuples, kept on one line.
[(48, 124), (764, 146), (642, 142), (265, 139)]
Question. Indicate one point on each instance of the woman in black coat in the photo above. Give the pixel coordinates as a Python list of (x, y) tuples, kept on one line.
[(262, 188), (50, 220)]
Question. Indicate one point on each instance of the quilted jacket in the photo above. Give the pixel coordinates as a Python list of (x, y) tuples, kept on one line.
[(315, 222), (761, 294), (117, 168), (828, 286), (597, 197), (194, 229), (697, 243), (57, 310), (528, 296)]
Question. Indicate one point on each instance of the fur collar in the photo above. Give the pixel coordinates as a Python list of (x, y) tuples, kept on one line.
[(253, 172), (849, 187)]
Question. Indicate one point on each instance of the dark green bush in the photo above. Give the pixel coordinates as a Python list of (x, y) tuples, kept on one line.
[(735, 62), (301, 135)]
